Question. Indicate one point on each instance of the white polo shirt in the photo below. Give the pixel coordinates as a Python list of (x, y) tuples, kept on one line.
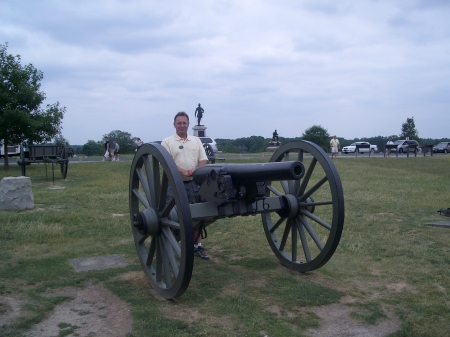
[(186, 153)]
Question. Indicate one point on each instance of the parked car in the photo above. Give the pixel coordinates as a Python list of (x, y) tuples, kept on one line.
[(210, 141), (404, 146), (352, 148), (442, 147)]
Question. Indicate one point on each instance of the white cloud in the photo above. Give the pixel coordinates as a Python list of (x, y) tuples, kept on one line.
[(356, 68)]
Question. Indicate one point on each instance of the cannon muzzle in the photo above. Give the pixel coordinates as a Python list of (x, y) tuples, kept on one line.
[(248, 173)]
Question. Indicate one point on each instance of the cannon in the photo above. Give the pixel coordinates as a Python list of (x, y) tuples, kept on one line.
[(47, 154), (298, 194)]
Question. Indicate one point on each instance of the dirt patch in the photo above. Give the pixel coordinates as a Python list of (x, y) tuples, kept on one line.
[(275, 309), (375, 272), (56, 187), (10, 309), (40, 208), (399, 287), (235, 257), (336, 321), (94, 311)]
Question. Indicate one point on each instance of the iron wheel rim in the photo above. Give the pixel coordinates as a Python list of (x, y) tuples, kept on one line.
[(167, 256), (307, 240)]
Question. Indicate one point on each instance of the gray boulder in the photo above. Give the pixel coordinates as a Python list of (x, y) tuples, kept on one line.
[(16, 194)]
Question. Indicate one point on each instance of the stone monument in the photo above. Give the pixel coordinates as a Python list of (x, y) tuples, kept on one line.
[(199, 130), (274, 143), (16, 194)]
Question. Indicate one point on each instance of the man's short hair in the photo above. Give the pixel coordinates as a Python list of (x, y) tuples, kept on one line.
[(181, 113)]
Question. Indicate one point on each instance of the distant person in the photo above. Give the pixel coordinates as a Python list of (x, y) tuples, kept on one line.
[(388, 151), (199, 113), (334, 146), (116, 151), (188, 153), (107, 154), (138, 143)]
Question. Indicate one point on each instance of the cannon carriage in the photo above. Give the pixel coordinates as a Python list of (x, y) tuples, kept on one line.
[(298, 195), (47, 154)]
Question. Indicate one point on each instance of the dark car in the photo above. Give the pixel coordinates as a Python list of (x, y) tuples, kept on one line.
[(442, 147), (406, 145)]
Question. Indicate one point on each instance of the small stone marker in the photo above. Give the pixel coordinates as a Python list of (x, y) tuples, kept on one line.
[(16, 194), (98, 263), (439, 224)]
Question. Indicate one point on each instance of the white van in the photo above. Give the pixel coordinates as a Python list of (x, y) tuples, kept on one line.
[(210, 141), (13, 150)]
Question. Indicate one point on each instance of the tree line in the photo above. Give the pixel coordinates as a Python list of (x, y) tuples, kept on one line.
[(96, 148), (257, 144), (320, 136), (253, 144), (24, 120)]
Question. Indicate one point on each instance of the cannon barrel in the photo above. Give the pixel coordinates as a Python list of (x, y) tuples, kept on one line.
[(247, 173)]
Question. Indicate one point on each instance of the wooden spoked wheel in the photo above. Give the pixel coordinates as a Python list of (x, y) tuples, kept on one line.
[(306, 235), (162, 229), (64, 163)]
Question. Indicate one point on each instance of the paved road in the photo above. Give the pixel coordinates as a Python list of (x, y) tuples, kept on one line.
[(13, 160)]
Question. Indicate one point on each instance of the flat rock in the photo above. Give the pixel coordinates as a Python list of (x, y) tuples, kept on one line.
[(16, 194), (98, 263)]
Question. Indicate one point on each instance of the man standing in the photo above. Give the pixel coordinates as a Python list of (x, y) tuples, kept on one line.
[(107, 154), (138, 143), (334, 145), (188, 154), (388, 151), (116, 151)]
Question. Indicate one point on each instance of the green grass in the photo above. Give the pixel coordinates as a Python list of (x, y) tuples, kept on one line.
[(387, 261)]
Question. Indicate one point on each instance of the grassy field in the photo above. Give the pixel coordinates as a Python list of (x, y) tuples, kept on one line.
[(387, 265)]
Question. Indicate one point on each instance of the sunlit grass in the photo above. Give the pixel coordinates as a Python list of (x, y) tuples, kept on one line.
[(386, 257)]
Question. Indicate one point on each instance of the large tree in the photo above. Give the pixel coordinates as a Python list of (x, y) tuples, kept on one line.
[(93, 148), (409, 130), (61, 141), (124, 140), (318, 135), (21, 117)]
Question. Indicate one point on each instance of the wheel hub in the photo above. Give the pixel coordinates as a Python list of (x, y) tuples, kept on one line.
[(309, 208), (148, 222), (291, 208)]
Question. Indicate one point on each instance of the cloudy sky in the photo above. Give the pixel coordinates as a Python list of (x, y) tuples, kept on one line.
[(357, 68)]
